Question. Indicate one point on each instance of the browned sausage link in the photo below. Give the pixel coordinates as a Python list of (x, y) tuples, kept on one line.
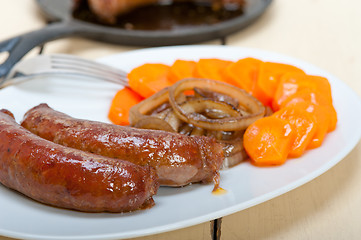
[(178, 159), (70, 178)]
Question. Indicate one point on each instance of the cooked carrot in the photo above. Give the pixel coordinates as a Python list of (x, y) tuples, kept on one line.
[(270, 74), (304, 124), (149, 78), (268, 141), (262, 96), (123, 100), (315, 97), (181, 69), (244, 73), (322, 121), (331, 112), (211, 68), (292, 82)]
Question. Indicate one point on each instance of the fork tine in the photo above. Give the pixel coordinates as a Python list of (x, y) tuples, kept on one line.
[(80, 65), (91, 72), (84, 67), (98, 77), (69, 59), (65, 64)]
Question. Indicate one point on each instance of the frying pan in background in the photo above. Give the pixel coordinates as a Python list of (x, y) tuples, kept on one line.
[(64, 25)]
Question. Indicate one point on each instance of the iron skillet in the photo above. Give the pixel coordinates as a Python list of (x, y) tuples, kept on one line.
[(64, 25)]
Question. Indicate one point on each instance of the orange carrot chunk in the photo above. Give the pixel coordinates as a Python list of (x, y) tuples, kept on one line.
[(270, 75), (244, 73), (292, 82), (181, 69), (322, 121), (149, 78), (262, 96), (211, 68), (304, 124), (123, 100), (268, 141), (315, 97)]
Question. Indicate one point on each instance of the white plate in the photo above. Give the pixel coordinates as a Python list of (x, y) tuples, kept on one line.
[(175, 208)]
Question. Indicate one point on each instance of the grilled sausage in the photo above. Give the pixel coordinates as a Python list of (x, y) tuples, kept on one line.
[(69, 178), (178, 159)]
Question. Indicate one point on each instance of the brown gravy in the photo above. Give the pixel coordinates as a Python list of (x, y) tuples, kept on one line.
[(177, 15)]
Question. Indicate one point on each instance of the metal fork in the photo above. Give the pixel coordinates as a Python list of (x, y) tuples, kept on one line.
[(63, 64)]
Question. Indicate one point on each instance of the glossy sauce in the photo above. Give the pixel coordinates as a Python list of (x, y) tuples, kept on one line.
[(219, 191), (172, 16)]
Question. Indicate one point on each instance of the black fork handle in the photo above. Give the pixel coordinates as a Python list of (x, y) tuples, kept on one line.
[(20, 45)]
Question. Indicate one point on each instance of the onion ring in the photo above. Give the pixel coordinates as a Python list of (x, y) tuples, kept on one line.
[(233, 123), (155, 123), (138, 114)]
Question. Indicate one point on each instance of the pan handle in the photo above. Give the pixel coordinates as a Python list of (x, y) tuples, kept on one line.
[(18, 46)]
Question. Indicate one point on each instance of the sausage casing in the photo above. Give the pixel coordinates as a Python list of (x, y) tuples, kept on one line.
[(70, 178), (178, 159)]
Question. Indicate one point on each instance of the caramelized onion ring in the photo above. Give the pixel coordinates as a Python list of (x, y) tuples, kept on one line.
[(233, 123), (138, 114), (217, 109), (148, 122)]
